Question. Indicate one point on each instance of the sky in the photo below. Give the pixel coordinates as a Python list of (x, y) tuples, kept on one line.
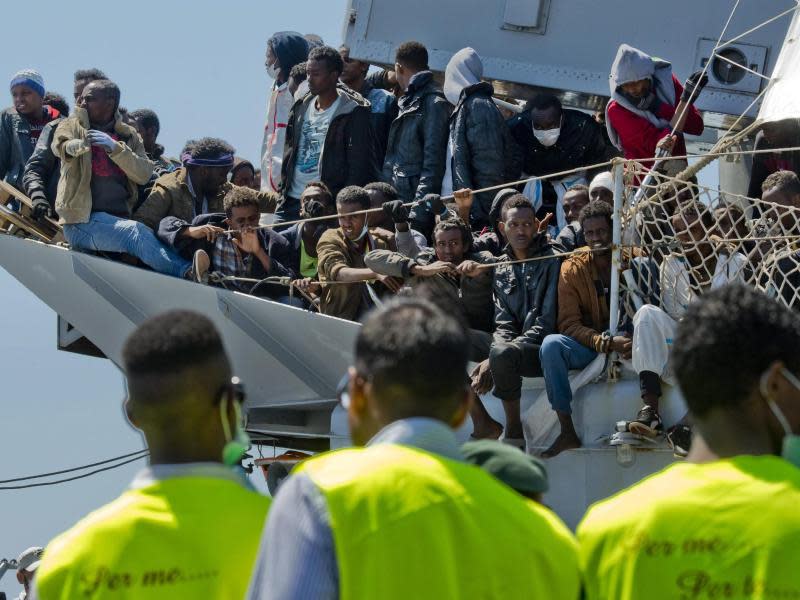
[(200, 66)]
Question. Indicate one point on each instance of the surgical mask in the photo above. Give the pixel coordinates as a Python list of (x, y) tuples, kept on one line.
[(547, 137), (790, 449), (236, 445), (273, 70), (361, 235)]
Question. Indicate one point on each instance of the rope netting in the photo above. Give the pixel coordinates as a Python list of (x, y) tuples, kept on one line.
[(687, 239)]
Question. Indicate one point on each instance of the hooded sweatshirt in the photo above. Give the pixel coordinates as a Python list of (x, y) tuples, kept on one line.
[(636, 131), (290, 48)]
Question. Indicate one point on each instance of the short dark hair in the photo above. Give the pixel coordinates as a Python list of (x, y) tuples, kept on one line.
[(415, 356), (239, 196), (702, 211), (412, 55), (108, 89), (578, 187), (543, 101), (353, 194), (89, 75), (208, 147), (384, 188), (726, 340), (326, 191), (515, 201), (146, 118), (298, 72), (785, 181), (330, 56), (454, 224), (170, 342), (595, 209), (57, 101)]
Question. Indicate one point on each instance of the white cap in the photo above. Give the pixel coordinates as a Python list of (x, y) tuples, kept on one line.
[(603, 180), (29, 560)]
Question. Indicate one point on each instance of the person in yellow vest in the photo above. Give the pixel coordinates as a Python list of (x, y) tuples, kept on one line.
[(402, 515), (189, 525), (724, 523)]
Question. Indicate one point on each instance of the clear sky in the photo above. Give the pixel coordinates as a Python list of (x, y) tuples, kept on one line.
[(200, 66)]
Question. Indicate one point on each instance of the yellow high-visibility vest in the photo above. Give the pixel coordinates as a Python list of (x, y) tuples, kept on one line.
[(182, 537), (410, 524)]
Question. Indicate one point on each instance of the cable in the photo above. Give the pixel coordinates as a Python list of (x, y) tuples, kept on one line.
[(46, 483), (143, 452)]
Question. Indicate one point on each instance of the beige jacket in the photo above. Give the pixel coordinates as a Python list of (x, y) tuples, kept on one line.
[(74, 196)]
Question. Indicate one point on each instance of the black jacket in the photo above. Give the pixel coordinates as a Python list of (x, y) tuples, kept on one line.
[(417, 145), (348, 155), (581, 143), (43, 167), (484, 153), (526, 296), (383, 110)]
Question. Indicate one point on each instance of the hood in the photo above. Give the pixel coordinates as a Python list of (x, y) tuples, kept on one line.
[(290, 47), (465, 69), (631, 64)]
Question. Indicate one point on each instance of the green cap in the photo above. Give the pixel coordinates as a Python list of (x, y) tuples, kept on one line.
[(522, 472)]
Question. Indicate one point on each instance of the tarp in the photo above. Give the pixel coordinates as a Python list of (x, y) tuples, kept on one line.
[(782, 100)]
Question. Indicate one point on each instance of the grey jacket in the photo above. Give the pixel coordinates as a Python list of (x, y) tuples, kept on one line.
[(484, 153), (526, 296), (43, 167), (474, 293), (417, 144)]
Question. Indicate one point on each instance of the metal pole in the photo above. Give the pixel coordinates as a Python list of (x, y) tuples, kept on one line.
[(616, 250)]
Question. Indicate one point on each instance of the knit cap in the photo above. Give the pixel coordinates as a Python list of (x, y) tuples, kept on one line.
[(29, 78)]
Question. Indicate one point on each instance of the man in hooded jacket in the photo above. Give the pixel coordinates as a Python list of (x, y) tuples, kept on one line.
[(285, 49), (480, 151), (647, 101)]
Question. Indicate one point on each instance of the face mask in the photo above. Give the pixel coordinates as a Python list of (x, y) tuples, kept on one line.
[(237, 445), (790, 450), (363, 233), (313, 209), (547, 137), (273, 70)]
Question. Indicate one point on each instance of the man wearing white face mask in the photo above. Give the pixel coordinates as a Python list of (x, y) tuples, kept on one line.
[(727, 518), (480, 150), (555, 139)]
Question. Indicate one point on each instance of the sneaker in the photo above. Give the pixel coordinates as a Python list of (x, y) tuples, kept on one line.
[(647, 422), (679, 438), (200, 265)]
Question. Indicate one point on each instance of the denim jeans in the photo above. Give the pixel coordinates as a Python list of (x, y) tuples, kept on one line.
[(558, 354), (107, 233)]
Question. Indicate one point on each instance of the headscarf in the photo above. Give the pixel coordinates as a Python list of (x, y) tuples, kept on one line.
[(602, 180), (464, 70)]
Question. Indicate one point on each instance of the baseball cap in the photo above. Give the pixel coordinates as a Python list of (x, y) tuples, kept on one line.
[(518, 470), (29, 560)]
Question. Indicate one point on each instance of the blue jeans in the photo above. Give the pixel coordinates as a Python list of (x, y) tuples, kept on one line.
[(558, 354), (107, 233)]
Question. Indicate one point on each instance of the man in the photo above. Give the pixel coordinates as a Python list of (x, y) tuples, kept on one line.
[(104, 162), (340, 256), (190, 500), (724, 522), (555, 139), (774, 135), (451, 270), (571, 236), (243, 173), (43, 169), (285, 49), (647, 102), (583, 317), (22, 124), (328, 138), (480, 150), (415, 153), (602, 188), (197, 188), (698, 266), (297, 77), (383, 104), (27, 564), (303, 238), (353, 523), (148, 126), (523, 473), (525, 312)]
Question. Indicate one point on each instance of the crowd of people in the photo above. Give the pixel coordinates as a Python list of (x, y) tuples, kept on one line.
[(393, 184)]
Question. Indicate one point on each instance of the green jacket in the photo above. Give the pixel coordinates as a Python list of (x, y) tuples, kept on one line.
[(74, 195)]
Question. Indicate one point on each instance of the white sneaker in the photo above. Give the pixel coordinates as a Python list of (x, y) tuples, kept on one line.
[(200, 265)]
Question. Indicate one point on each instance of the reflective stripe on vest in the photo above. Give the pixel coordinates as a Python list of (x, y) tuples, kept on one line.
[(184, 537), (409, 524)]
